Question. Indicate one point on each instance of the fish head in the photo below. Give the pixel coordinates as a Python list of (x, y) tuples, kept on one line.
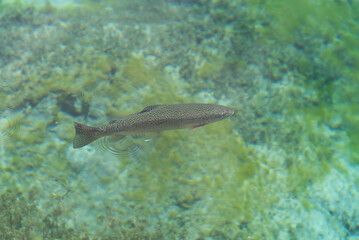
[(221, 112)]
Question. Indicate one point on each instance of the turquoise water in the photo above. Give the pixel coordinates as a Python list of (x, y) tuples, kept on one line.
[(284, 167)]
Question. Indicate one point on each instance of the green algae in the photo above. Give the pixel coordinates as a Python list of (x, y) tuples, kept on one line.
[(321, 22), (232, 182), (307, 25), (12, 126), (18, 214), (211, 168), (137, 74), (167, 166), (209, 68)]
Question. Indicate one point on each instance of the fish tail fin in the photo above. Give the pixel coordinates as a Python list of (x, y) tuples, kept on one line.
[(85, 135)]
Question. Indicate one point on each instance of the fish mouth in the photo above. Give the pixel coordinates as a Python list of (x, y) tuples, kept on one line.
[(231, 112), (228, 113), (225, 114)]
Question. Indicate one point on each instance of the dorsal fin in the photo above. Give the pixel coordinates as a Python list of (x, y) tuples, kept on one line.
[(112, 121), (149, 108)]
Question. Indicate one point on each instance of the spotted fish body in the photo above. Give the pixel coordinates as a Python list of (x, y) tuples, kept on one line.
[(155, 118)]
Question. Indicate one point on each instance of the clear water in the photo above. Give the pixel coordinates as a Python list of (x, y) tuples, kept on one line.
[(284, 167)]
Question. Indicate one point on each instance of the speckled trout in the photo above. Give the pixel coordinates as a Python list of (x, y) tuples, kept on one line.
[(155, 118)]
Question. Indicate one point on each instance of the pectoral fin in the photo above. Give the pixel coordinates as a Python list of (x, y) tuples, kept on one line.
[(196, 126)]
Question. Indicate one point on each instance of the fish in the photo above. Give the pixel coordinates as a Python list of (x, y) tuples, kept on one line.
[(153, 119)]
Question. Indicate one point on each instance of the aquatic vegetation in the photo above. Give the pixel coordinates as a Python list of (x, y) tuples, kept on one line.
[(137, 74), (18, 214), (209, 68), (243, 178)]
